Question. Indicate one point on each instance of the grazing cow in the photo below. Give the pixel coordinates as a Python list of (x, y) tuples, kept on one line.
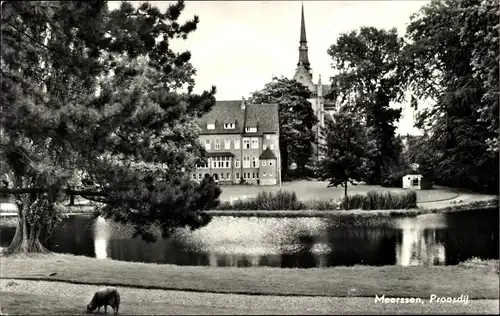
[(104, 297)]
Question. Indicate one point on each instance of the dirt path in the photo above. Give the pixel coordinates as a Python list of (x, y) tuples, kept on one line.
[(38, 297)]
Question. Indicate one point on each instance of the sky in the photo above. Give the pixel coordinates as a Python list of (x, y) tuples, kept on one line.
[(240, 45)]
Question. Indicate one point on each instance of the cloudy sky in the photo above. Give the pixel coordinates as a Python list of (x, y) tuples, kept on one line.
[(240, 45)]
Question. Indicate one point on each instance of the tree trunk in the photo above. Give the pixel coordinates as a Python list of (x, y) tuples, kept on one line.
[(26, 238), (284, 161), (345, 189)]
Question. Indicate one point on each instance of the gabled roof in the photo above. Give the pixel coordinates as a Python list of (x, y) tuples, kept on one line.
[(221, 113), (263, 116), (267, 154)]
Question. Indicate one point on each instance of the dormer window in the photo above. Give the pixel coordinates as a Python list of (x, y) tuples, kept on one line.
[(210, 126), (229, 126), (251, 129)]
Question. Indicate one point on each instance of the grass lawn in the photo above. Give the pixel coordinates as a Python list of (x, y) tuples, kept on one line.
[(479, 281), (310, 190), (49, 298)]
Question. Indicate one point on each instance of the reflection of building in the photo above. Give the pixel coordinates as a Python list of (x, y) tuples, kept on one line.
[(242, 142), (419, 247)]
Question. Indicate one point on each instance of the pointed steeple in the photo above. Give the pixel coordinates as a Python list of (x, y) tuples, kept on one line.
[(303, 38), (303, 56)]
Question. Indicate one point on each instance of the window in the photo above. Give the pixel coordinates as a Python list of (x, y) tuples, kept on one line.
[(246, 162), (272, 146), (268, 136), (207, 144), (270, 163), (229, 126), (244, 175), (221, 162), (270, 174), (237, 175), (414, 182), (255, 162), (210, 126), (222, 176), (227, 144), (237, 163), (228, 176), (200, 176), (264, 147), (194, 176), (264, 174), (217, 144), (263, 163), (251, 129), (236, 143), (255, 143), (203, 165), (246, 143), (253, 175)]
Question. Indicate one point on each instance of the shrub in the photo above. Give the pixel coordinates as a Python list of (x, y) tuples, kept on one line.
[(380, 201), (394, 178), (281, 200), (302, 173), (322, 205), (285, 200)]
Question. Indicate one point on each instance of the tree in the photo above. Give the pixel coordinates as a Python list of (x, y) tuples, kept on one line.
[(366, 81), (99, 93), (296, 116), (345, 152), (451, 57), (421, 153)]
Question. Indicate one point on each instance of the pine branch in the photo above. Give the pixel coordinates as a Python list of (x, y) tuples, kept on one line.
[(43, 190)]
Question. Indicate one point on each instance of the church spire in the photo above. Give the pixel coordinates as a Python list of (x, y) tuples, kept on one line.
[(303, 28), (303, 55)]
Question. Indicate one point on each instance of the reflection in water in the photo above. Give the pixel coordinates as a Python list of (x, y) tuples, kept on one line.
[(101, 238), (289, 242), (419, 245)]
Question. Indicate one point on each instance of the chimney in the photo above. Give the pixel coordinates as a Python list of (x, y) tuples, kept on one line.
[(242, 103)]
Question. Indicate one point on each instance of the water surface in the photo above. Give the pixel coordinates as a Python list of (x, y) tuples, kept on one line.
[(431, 239)]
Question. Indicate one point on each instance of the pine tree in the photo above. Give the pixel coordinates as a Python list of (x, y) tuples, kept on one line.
[(94, 99)]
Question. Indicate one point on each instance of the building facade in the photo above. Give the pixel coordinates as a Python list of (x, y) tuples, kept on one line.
[(242, 143)]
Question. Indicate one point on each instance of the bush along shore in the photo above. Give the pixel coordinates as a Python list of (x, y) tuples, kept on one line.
[(286, 204), (285, 200)]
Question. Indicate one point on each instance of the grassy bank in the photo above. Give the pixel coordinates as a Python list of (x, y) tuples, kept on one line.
[(477, 279), (477, 206), (53, 298)]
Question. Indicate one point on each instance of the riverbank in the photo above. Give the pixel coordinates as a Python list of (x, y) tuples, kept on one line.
[(449, 206), (478, 279)]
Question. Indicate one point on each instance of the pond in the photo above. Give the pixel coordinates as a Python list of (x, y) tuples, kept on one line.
[(431, 239)]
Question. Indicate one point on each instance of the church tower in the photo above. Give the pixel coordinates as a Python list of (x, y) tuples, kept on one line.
[(303, 73)]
